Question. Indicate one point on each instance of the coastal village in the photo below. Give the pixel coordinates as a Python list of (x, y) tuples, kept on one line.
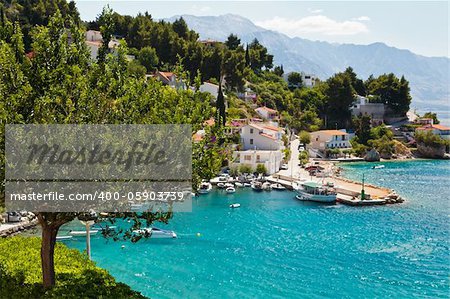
[(256, 129)]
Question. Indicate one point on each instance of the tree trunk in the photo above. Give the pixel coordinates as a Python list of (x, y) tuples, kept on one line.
[(47, 254)]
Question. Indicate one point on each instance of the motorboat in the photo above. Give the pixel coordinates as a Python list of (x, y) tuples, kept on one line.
[(221, 185), (377, 166), (83, 232), (267, 186), (239, 184), (257, 186), (204, 188), (156, 233), (230, 190), (235, 205), (312, 191), (247, 185), (278, 186)]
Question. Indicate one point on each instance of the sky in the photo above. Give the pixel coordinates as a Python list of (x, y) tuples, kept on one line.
[(419, 26)]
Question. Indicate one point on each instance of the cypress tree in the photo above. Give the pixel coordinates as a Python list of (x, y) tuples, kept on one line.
[(220, 105)]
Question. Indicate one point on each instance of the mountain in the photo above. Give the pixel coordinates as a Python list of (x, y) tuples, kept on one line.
[(428, 76)]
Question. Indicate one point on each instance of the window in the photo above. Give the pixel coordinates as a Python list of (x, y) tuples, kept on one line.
[(251, 131), (247, 158), (343, 137), (251, 141), (258, 158)]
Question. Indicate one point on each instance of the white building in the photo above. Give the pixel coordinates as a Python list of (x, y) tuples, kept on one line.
[(169, 78), (270, 159), (309, 80), (326, 139), (93, 36), (94, 41), (376, 111), (267, 113), (261, 136), (210, 88), (440, 130)]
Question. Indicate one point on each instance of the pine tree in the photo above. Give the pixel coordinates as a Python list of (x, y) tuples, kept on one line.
[(220, 106), (247, 56)]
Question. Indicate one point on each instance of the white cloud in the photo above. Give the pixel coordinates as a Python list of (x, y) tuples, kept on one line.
[(362, 19), (314, 24), (315, 11)]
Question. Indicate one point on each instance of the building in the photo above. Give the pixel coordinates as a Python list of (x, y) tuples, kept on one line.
[(261, 136), (267, 113), (328, 139), (94, 41), (210, 88), (442, 131), (270, 159), (309, 80), (169, 78), (362, 106), (93, 36), (424, 121)]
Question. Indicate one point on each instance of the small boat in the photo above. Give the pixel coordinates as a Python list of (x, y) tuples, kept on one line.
[(235, 205), (278, 187), (228, 185), (267, 186), (230, 190), (312, 191), (377, 166), (204, 188), (156, 233), (257, 186), (63, 238), (247, 185), (220, 185), (83, 232), (239, 184)]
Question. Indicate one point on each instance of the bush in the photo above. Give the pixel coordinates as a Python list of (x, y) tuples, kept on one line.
[(303, 157), (245, 168), (304, 137), (76, 276), (429, 139), (261, 168)]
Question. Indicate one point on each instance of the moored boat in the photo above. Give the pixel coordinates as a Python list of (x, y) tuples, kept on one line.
[(267, 186), (220, 185), (312, 191), (230, 190), (256, 186), (239, 184), (235, 205), (278, 186), (83, 232), (204, 188), (156, 233)]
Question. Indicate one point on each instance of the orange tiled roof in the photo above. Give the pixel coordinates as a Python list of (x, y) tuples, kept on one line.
[(210, 122), (268, 136), (267, 109), (332, 132)]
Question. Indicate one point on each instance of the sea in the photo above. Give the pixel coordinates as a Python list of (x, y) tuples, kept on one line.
[(274, 246)]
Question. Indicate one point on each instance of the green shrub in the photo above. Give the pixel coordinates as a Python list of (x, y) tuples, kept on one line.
[(76, 276), (261, 168), (245, 168), (429, 139)]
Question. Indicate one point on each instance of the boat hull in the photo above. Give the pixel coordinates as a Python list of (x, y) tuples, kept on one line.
[(304, 196)]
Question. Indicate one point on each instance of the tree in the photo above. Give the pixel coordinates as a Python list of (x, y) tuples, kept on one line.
[(106, 22), (245, 168), (304, 137), (339, 95), (148, 58), (362, 125), (278, 70), (220, 108), (261, 169), (232, 42), (181, 28), (295, 80)]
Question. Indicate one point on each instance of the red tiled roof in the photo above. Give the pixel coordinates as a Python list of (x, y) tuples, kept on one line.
[(272, 128), (268, 136), (210, 122), (332, 132), (431, 127), (267, 109)]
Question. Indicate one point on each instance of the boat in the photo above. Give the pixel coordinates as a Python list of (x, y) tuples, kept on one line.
[(235, 205), (220, 185), (257, 186), (312, 191), (278, 187), (247, 185), (377, 166), (239, 184), (83, 232), (156, 233), (266, 186), (63, 238), (204, 188), (230, 190)]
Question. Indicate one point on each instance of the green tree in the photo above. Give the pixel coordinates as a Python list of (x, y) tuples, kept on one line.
[(304, 137), (433, 116), (181, 28), (278, 70), (261, 169), (233, 42), (362, 126), (220, 108), (148, 58), (295, 80), (106, 22), (339, 98)]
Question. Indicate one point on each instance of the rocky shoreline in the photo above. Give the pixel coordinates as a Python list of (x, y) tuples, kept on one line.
[(11, 229)]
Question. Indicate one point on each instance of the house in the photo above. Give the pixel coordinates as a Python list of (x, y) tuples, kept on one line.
[(362, 106), (327, 139), (442, 131), (169, 78), (261, 136), (424, 121), (309, 80), (248, 95), (94, 41), (209, 43), (210, 88), (270, 159), (267, 113), (93, 36)]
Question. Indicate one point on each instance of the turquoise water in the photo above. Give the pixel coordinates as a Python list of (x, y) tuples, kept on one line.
[(277, 247)]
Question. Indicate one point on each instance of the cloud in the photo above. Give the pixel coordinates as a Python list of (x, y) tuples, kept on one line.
[(315, 11), (362, 19), (314, 24), (199, 8)]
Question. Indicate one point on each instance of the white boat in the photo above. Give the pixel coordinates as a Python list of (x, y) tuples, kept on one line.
[(257, 186), (247, 185), (230, 190), (278, 186), (228, 185), (238, 184), (83, 232), (266, 186), (377, 166), (63, 238), (235, 205), (312, 191), (204, 188), (220, 185), (156, 233)]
